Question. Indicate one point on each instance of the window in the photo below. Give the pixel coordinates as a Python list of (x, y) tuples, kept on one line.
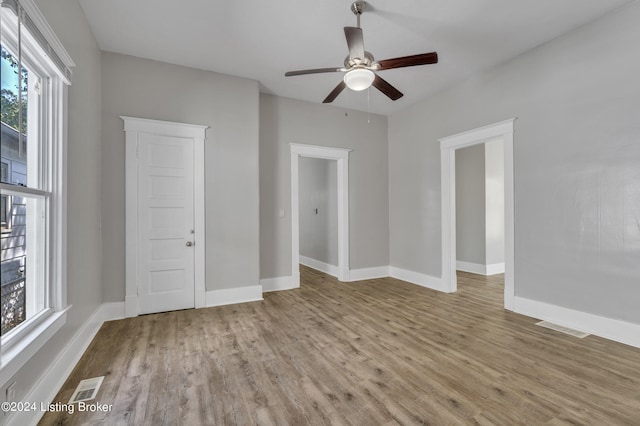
[(34, 77)]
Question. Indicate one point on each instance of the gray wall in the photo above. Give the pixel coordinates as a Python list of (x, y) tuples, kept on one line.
[(283, 121), (494, 201), (480, 203), (83, 191), (577, 180), (229, 105), (470, 205), (318, 201)]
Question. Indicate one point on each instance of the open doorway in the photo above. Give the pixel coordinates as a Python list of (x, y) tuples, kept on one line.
[(341, 158), (480, 208), (502, 131), (318, 213)]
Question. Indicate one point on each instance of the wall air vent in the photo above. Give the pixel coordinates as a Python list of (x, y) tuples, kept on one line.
[(87, 390), (563, 329)]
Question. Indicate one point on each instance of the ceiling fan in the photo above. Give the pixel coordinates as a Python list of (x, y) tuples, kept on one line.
[(360, 66)]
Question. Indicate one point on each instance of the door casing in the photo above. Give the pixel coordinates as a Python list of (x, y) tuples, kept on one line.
[(448, 146), (341, 155)]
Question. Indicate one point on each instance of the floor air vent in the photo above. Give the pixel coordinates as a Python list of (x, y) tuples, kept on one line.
[(563, 329), (87, 390)]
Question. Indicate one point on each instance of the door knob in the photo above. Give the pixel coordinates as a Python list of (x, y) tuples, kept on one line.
[(189, 244)]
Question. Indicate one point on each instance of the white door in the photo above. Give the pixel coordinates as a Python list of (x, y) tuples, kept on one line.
[(165, 223)]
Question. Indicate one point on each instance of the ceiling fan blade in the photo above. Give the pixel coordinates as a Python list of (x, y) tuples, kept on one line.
[(312, 71), (408, 61), (355, 42), (386, 88), (334, 93)]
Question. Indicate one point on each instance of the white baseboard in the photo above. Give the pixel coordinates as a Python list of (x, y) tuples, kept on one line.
[(111, 311), (287, 283), (609, 328), (472, 268), (423, 280), (318, 265), (131, 306), (277, 284), (495, 269), (480, 269), (46, 389), (230, 296), (368, 273)]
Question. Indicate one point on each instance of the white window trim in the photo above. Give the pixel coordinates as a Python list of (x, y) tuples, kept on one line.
[(17, 348)]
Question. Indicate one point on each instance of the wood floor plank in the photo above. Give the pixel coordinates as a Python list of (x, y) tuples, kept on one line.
[(374, 352)]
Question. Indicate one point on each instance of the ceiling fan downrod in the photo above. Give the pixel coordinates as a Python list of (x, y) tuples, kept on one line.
[(357, 7)]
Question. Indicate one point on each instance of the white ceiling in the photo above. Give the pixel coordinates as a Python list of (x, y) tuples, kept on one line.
[(261, 39)]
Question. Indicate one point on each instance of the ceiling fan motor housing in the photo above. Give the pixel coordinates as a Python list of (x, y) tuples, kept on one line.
[(357, 62)]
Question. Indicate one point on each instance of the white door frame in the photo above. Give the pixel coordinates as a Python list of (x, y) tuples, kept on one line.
[(132, 127), (448, 146), (341, 155)]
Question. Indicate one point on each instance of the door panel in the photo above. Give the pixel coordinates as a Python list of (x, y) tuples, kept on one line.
[(165, 223)]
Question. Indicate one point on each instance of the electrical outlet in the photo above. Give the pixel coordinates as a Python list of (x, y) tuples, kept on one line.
[(11, 392)]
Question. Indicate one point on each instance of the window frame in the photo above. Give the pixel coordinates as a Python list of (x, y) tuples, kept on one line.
[(19, 345), (5, 207), (5, 214)]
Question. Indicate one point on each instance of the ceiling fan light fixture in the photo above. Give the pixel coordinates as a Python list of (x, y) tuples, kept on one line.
[(359, 79)]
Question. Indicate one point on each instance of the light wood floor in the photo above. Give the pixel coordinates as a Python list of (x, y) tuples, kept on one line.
[(368, 353)]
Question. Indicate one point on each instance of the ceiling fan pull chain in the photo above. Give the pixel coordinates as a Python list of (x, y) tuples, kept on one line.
[(368, 109)]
